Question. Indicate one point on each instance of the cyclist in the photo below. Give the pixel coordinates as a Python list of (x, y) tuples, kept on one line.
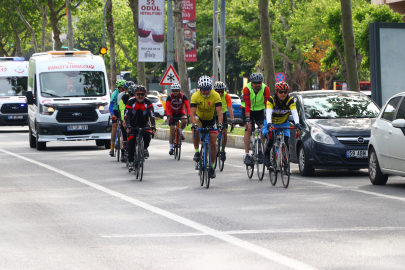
[(175, 109), (226, 101), (242, 107), (255, 94), (204, 103), (139, 113), (114, 112), (121, 106), (279, 107)]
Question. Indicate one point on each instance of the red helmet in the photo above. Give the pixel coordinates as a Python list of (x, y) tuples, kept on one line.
[(282, 86)]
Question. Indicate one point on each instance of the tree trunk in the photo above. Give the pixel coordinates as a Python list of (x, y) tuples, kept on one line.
[(17, 41), (43, 9), (34, 40), (69, 26), (140, 66), (54, 24), (267, 51), (181, 54), (110, 29), (350, 49)]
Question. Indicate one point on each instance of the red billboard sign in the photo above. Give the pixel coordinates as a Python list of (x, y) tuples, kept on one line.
[(189, 26)]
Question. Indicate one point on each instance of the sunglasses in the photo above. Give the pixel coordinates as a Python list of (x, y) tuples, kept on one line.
[(175, 90), (220, 91), (206, 89), (256, 83), (282, 92), (140, 94)]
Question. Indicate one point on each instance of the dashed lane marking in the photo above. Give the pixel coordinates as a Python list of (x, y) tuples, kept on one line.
[(271, 255)]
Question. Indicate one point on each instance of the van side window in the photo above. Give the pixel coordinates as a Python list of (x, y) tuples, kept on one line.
[(391, 109)]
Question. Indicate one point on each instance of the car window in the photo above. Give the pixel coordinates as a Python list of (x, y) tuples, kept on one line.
[(163, 98), (401, 111), (153, 99), (390, 110), (339, 105)]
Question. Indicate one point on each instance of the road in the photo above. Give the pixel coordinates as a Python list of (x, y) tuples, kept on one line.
[(74, 207)]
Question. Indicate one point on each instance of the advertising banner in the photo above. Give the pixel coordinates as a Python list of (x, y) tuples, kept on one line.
[(151, 31), (189, 26)]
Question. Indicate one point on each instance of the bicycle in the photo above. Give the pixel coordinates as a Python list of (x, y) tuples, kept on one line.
[(203, 165), (221, 151), (139, 157), (117, 144), (256, 144), (177, 138), (280, 164)]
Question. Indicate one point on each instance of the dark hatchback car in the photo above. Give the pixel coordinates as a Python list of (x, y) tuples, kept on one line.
[(336, 128)]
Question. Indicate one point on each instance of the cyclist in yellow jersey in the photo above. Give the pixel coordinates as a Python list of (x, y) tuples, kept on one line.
[(204, 103), (279, 108)]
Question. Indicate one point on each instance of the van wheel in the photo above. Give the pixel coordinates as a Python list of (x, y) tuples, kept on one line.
[(107, 144), (374, 171), (100, 142), (32, 140), (41, 146), (303, 164)]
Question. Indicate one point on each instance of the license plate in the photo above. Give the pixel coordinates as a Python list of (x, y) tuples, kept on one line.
[(79, 127), (357, 154), (15, 117)]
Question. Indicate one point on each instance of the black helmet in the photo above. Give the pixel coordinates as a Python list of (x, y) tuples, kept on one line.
[(131, 90), (256, 78), (140, 88)]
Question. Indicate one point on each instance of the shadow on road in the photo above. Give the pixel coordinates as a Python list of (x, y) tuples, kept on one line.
[(13, 131), (74, 148), (339, 173)]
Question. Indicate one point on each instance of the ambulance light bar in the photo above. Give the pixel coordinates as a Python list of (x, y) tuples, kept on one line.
[(12, 58)]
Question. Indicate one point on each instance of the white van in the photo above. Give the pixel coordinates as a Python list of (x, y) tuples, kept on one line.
[(68, 98), (13, 86)]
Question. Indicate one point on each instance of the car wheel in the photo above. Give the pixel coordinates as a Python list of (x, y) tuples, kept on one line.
[(374, 171), (303, 164), (41, 146), (32, 140), (107, 144), (100, 142)]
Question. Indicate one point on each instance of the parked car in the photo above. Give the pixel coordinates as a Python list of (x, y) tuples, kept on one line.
[(162, 99), (387, 142), (157, 106), (153, 93), (336, 127), (237, 111)]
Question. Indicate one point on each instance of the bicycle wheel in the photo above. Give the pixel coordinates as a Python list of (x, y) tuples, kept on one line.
[(284, 165), (218, 150), (259, 165), (140, 160), (117, 145), (207, 166), (178, 143), (201, 170), (221, 155), (273, 167), (175, 143)]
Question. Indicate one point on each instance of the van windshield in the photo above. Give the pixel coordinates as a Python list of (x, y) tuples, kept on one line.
[(13, 86), (339, 106), (72, 84)]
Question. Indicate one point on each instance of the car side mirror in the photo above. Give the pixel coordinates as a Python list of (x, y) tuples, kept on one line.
[(398, 123), (29, 98)]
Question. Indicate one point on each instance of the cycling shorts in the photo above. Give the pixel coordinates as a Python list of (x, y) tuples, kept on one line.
[(208, 123), (175, 115), (117, 115)]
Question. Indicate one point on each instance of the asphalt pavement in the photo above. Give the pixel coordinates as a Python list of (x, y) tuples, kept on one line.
[(74, 207)]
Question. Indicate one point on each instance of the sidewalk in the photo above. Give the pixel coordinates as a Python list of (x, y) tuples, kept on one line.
[(234, 141)]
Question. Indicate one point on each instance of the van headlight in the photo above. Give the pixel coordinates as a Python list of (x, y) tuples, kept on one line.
[(103, 109), (319, 136), (47, 110)]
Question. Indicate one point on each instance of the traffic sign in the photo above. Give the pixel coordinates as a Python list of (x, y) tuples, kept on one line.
[(280, 77), (170, 77)]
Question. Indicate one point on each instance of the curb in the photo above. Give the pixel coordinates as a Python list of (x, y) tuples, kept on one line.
[(234, 141)]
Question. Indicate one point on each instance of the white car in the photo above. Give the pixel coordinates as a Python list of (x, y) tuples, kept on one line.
[(235, 99), (157, 106), (387, 142)]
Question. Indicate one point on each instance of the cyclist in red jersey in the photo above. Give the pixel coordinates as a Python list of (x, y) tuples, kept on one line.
[(175, 103)]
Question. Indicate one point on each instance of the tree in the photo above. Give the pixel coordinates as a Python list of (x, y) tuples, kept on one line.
[(43, 9), (180, 50), (69, 25), (349, 45), (267, 52), (110, 28)]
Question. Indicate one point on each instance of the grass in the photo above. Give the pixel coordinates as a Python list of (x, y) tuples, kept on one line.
[(160, 123)]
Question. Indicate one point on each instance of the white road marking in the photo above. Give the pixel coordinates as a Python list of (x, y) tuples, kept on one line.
[(271, 255), (355, 229), (359, 191)]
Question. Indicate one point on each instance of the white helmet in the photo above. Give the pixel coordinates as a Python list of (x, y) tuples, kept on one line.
[(219, 86), (204, 82), (175, 86)]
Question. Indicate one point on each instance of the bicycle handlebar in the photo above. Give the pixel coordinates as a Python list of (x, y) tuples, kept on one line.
[(281, 129), (205, 130)]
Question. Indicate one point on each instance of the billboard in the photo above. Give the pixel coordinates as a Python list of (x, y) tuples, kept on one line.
[(189, 26), (151, 34)]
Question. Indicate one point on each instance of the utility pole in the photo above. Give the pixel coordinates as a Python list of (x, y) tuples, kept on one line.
[(170, 51), (219, 28), (105, 4), (69, 26)]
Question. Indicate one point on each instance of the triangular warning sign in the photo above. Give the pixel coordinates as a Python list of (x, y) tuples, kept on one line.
[(170, 77)]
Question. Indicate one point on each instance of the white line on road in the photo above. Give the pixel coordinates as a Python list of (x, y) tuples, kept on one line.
[(187, 222), (355, 229), (359, 191)]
